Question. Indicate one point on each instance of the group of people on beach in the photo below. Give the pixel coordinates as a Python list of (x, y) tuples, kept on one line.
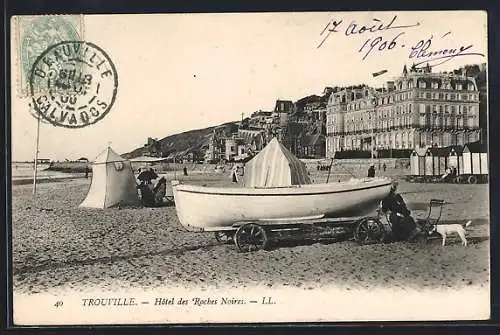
[(450, 173), (151, 195)]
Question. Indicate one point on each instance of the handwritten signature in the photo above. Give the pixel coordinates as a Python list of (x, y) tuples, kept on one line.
[(423, 51), (439, 56)]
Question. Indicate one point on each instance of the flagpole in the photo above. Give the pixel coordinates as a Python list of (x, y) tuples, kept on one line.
[(36, 154), (376, 74)]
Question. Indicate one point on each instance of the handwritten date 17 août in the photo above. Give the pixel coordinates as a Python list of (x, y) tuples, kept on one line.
[(378, 44)]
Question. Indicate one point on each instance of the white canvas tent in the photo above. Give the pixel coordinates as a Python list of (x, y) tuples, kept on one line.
[(113, 182), (275, 166)]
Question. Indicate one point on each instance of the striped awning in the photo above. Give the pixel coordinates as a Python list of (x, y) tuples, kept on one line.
[(275, 166)]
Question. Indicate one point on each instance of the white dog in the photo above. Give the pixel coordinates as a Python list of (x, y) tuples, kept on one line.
[(445, 229)]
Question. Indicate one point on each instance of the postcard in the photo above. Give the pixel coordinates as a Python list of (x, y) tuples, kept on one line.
[(250, 167)]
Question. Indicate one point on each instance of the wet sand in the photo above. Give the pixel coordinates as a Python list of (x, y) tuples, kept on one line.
[(56, 244)]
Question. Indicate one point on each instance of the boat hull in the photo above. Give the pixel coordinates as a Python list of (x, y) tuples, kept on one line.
[(209, 208)]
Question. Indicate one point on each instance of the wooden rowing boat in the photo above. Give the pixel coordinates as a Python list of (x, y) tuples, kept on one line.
[(202, 208)]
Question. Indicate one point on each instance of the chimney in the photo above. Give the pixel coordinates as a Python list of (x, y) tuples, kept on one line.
[(390, 86)]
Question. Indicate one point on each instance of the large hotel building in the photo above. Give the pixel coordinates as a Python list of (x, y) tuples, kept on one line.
[(418, 109)]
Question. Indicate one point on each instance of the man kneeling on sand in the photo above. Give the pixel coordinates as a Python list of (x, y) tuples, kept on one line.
[(404, 226)]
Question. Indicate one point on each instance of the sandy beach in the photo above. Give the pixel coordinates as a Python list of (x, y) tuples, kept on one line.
[(56, 244)]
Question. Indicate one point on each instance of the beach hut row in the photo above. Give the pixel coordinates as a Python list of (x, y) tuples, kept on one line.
[(467, 164)]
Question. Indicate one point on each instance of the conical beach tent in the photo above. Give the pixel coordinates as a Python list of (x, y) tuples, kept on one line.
[(113, 182), (275, 166)]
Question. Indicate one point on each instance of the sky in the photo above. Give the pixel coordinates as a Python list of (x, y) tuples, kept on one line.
[(178, 72)]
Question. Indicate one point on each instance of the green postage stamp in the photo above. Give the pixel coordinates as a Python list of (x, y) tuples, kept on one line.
[(34, 34)]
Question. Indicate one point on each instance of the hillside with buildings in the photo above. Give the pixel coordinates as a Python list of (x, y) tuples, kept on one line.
[(420, 108)]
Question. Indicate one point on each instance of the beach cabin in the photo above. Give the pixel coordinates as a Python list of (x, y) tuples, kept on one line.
[(440, 156), (433, 162), (455, 159), (475, 162), (417, 162)]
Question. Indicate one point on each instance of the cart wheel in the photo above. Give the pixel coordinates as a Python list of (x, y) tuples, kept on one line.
[(472, 180), (224, 237), (368, 231), (459, 179), (251, 237)]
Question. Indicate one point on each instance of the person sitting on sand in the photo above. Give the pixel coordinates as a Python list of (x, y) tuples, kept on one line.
[(159, 191), (152, 197), (447, 173), (147, 195), (404, 226)]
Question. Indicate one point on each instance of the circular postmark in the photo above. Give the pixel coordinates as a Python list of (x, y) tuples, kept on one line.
[(73, 84)]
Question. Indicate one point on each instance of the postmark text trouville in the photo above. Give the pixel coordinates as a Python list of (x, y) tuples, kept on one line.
[(73, 84)]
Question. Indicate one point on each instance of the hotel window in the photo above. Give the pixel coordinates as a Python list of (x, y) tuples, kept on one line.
[(452, 96), (446, 96), (440, 96), (422, 120), (427, 95), (421, 84), (434, 85), (458, 86)]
